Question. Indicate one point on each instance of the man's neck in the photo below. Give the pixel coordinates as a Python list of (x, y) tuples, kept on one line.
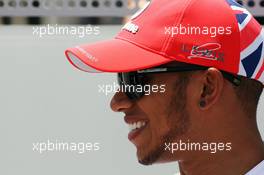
[(240, 160)]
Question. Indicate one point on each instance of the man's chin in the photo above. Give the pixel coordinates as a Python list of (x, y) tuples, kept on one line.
[(149, 161), (145, 161), (149, 158)]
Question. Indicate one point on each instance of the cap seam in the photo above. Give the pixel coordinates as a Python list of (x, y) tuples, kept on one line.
[(171, 39), (165, 39), (237, 25), (164, 43)]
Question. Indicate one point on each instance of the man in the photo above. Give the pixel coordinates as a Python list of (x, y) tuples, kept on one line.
[(209, 56)]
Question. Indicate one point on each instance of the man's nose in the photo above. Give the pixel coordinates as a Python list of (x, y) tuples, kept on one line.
[(120, 102)]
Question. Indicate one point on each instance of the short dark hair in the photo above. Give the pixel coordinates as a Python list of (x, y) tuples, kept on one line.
[(248, 93)]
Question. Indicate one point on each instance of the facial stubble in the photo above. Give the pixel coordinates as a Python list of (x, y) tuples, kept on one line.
[(177, 120)]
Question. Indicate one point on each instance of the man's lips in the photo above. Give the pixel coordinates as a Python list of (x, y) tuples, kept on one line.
[(129, 119), (136, 125)]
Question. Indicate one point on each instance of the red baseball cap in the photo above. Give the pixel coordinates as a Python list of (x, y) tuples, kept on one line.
[(212, 33)]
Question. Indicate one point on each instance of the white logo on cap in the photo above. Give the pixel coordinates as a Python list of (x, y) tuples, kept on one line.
[(130, 27), (88, 55), (140, 11)]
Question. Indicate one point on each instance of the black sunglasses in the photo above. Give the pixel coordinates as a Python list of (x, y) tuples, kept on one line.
[(131, 83)]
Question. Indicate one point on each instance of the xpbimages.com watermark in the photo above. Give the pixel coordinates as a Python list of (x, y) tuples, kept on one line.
[(62, 146), (147, 89), (194, 146), (197, 30), (60, 30)]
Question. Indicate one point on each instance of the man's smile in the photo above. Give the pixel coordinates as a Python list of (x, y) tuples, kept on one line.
[(136, 126)]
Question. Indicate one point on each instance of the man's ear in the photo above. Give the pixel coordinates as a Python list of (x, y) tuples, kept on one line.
[(211, 88)]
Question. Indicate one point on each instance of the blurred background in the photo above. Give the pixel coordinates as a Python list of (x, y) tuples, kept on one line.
[(85, 11), (67, 11), (42, 97)]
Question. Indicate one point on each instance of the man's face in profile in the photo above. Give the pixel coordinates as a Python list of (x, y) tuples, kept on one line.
[(165, 115)]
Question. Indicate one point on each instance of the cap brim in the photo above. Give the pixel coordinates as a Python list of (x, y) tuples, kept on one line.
[(113, 55)]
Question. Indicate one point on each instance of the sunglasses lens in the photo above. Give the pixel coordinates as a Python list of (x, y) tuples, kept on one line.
[(119, 79), (129, 83)]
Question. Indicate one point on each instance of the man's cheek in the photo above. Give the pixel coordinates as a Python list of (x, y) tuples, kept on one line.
[(153, 104), (155, 107)]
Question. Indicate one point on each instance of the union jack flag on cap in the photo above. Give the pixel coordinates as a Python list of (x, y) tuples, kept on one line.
[(251, 43)]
